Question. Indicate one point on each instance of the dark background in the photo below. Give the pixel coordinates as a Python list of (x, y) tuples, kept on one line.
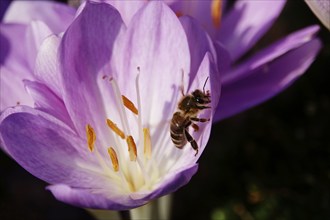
[(270, 162)]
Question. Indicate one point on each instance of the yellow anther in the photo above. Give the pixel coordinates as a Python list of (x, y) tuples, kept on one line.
[(114, 158), (216, 9), (147, 143), (115, 129), (129, 104), (91, 137), (131, 148)]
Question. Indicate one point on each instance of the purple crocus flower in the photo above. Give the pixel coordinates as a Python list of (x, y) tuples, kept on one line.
[(235, 30), (72, 139), (104, 95)]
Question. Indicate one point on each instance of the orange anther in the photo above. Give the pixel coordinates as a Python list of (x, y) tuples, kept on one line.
[(114, 158), (129, 104), (91, 137), (115, 129), (131, 148)]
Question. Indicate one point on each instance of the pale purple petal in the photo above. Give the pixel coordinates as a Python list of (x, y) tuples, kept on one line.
[(45, 147), (85, 48), (36, 33), (57, 16), (14, 66), (47, 69), (175, 182), (266, 81), (127, 9), (84, 198), (321, 9), (46, 101), (170, 184), (246, 23), (12, 91), (156, 43), (199, 44)]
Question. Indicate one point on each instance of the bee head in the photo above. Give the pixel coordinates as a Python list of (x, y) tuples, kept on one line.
[(201, 97)]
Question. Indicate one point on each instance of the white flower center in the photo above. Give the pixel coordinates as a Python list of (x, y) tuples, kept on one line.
[(130, 171)]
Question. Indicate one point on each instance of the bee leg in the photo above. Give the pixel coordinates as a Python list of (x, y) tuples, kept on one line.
[(195, 127), (191, 141), (203, 107), (200, 119)]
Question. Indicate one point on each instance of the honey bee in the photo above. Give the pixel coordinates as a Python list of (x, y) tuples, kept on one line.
[(188, 108)]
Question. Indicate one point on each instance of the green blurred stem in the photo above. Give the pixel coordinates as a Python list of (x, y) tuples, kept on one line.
[(159, 209)]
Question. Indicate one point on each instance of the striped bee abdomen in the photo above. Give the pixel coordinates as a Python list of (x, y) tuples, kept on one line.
[(178, 126)]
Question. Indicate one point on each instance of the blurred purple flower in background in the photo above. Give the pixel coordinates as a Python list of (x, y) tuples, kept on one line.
[(84, 136), (246, 80)]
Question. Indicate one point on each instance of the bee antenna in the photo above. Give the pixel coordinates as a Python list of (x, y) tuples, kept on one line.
[(205, 84), (182, 82)]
